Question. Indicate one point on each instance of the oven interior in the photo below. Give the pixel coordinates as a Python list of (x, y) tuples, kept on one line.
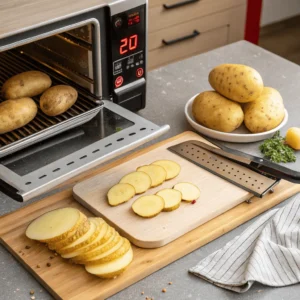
[(68, 59), (69, 53)]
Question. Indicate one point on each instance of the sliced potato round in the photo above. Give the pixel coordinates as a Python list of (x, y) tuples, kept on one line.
[(87, 238), (112, 254), (108, 252), (107, 236), (120, 193), (139, 180), (78, 233), (82, 259), (55, 225), (113, 268), (103, 236), (171, 197), (148, 206), (189, 191), (157, 174), (172, 168)]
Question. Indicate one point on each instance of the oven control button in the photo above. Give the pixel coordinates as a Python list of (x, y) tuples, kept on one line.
[(118, 22), (139, 72), (119, 81)]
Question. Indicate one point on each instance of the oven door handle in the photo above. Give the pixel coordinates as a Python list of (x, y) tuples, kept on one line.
[(178, 4), (181, 39)]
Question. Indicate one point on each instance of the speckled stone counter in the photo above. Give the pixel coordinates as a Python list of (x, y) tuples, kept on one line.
[(169, 88)]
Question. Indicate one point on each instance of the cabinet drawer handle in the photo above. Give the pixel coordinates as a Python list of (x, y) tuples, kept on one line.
[(185, 2), (187, 37)]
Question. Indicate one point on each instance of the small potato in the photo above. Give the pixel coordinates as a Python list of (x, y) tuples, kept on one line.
[(236, 82), (266, 112), (16, 113), (27, 84), (292, 138), (217, 112), (58, 99)]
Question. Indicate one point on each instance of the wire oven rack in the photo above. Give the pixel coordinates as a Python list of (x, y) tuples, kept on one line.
[(42, 126)]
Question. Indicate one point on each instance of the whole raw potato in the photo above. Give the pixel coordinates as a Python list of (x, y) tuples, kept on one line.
[(27, 84), (217, 112), (58, 99), (266, 112), (16, 113), (236, 82)]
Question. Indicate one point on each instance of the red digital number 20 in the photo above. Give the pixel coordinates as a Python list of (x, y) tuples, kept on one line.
[(133, 42)]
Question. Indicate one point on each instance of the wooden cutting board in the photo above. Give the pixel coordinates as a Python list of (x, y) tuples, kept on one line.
[(71, 282), (217, 196)]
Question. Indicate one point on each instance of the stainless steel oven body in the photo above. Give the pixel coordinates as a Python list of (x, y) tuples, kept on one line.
[(102, 52)]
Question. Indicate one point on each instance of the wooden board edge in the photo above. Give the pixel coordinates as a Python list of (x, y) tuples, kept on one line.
[(149, 244), (29, 269)]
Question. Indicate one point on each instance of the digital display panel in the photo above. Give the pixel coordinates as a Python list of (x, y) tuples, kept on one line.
[(128, 44), (134, 19)]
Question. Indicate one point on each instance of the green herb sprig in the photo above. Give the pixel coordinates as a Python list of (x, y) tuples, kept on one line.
[(276, 150)]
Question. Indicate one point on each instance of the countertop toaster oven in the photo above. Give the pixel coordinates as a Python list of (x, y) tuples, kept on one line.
[(97, 47)]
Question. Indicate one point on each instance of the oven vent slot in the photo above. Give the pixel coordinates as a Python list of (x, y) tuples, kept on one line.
[(11, 65)]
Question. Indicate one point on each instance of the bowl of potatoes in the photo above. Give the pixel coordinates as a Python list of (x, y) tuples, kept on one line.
[(239, 109)]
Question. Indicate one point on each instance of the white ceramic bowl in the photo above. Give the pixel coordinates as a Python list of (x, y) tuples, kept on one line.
[(240, 135)]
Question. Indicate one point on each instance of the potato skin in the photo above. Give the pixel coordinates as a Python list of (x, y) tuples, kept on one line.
[(26, 84), (58, 99), (239, 83), (16, 113), (217, 112), (266, 112)]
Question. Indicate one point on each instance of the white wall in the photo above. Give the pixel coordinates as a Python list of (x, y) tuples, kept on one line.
[(277, 10)]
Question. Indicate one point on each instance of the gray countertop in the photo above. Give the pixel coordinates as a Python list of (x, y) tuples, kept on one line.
[(169, 88)]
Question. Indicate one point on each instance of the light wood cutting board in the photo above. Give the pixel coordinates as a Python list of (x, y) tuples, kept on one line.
[(217, 196), (71, 282)]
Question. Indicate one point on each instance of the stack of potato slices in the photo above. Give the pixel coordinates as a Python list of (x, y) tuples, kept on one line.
[(88, 241)]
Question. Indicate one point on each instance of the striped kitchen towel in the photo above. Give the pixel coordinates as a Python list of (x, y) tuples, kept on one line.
[(267, 252)]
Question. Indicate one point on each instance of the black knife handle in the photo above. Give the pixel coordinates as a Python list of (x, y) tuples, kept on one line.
[(178, 4), (181, 39)]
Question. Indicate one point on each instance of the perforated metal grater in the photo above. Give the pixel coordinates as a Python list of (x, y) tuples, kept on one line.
[(253, 174)]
